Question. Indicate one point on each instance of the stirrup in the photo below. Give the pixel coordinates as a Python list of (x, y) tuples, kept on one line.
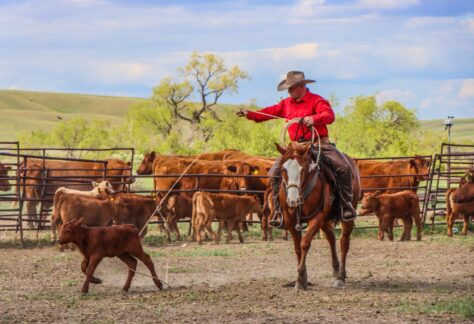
[(276, 221), (348, 215)]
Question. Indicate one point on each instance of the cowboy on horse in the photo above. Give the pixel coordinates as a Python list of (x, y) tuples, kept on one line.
[(314, 111), (315, 176)]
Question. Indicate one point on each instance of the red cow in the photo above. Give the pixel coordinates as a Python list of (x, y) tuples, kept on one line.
[(404, 205), (460, 201), (95, 243)]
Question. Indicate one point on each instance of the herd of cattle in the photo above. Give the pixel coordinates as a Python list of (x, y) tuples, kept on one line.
[(390, 192)]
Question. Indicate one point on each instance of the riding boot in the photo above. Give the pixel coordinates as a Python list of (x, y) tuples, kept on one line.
[(277, 218), (344, 182)]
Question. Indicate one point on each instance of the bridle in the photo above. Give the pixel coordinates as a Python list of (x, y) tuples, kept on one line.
[(306, 188)]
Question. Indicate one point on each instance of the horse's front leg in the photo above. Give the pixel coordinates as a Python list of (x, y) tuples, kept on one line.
[(297, 242), (314, 225), (347, 228), (331, 238)]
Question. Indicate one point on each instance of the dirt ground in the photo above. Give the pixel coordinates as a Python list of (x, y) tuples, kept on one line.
[(427, 281)]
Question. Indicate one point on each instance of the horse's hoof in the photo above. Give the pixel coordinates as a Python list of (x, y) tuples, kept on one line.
[(338, 283), (301, 286)]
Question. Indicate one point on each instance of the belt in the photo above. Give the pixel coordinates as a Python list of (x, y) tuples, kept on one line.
[(324, 140)]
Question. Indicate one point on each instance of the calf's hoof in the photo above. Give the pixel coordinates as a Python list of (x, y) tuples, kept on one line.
[(338, 283), (95, 280)]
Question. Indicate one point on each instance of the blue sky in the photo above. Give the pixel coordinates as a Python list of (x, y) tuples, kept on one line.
[(418, 52)]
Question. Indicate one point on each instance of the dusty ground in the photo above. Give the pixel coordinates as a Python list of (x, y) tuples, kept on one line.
[(428, 281)]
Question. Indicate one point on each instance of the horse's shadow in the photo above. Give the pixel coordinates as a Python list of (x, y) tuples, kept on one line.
[(389, 286)]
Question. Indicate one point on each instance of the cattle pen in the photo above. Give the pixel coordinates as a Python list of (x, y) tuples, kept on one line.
[(444, 171)]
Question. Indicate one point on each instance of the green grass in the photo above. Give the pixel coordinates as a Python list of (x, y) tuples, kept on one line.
[(28, 110), (463, 307), (197, 251), (463, 128)]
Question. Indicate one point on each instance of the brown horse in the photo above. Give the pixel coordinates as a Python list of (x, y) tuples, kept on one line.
[(307, 196)]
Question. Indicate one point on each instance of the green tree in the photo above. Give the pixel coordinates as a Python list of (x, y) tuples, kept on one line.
[(367, 128), (205, 75), (71, 134)]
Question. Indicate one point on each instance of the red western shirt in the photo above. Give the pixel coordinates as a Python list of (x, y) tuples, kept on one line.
[(310, 105)]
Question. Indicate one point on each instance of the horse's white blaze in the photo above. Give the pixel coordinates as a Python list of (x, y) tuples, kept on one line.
[(293, 169)]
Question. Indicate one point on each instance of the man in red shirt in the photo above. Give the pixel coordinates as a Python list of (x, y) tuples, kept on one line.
[(315, 111)]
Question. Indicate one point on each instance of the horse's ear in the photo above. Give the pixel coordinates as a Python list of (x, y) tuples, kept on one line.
[(280, 149)]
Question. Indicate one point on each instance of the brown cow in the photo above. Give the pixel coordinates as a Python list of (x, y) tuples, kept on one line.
[(4, 183), (176, 207), (168, 166), (35, 189), (224, 207), (459, 201), (146, 166), (103, 210), (419, 167), (140, 209), (95, 243), (387, 207), (95, 211)]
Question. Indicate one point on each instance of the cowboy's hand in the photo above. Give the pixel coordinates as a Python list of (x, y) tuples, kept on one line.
[(242, 112), (308, 121)]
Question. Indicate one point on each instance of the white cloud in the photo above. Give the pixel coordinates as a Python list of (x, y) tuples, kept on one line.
[(305, 51), (388, 4), (394, 94), (467, 89), (276, 58), (305, 8)]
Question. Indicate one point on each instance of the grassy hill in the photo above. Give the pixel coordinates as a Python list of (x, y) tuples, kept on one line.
[(27, 110), (23, 111), (463, 128)]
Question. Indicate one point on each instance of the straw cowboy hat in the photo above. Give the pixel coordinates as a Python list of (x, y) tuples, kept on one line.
[(293, 78)]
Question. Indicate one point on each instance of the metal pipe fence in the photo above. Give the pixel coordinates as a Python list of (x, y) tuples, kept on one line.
[(444, 176), (21, 210)]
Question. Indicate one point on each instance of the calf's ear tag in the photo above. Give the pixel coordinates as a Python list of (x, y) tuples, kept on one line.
[(255, 171)]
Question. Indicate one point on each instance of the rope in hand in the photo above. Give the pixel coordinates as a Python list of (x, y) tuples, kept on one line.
[(314, 132)]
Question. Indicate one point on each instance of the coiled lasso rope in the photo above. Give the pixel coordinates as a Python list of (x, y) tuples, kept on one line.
[(314, 132)]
